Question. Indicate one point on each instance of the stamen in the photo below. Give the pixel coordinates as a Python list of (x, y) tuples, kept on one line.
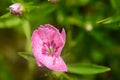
[(50, 49)]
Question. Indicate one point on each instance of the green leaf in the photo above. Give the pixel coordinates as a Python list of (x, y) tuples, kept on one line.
[(27, 56), (5, 15), (87, 69), (106, 20)]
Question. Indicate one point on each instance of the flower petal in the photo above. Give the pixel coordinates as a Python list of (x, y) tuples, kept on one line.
[(40, 64), (54, 63), (63, 34), (36, 47), (49, 27), (48, 33)]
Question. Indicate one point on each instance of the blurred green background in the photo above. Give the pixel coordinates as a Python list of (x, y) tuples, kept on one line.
[(93, 37)]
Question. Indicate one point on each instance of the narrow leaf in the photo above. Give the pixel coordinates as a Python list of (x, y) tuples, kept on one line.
[(106, 21), (27, 56), (87, 69)]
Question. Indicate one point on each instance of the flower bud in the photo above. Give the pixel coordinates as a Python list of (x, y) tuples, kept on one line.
[(54, 1), (16, 9)]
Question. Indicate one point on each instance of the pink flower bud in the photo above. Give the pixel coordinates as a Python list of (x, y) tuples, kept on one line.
[(16, 9)]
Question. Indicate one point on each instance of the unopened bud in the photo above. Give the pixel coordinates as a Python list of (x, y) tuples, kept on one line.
[(16, 9), (54, 1)]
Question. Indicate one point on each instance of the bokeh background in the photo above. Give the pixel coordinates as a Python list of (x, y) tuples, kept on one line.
[(93, 36)]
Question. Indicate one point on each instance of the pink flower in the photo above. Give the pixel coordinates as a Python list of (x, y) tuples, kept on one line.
[(47, 44), (16, 9)]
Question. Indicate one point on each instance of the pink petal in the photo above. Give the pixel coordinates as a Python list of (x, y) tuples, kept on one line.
[(48, 33), (40, 64), (54, 63), (49, 27), (63, 34), (36, 47)]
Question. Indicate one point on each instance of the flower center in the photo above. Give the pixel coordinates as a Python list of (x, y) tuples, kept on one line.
[(50, 50)]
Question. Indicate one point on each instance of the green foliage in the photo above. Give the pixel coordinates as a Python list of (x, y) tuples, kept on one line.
[(9, 22), (4, 70), (86, 69)]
